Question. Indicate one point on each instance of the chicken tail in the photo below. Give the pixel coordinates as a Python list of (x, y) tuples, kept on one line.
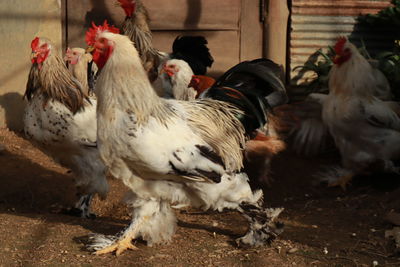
[(255, 87)]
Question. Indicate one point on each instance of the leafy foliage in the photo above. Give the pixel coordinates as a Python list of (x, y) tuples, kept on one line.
[(320, 63), (389, 64), (388, 16)]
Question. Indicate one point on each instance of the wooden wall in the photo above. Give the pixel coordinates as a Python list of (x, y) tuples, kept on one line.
[(232, 27)]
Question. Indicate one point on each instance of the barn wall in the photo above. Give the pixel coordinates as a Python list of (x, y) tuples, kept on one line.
[(232, 27), (20, 22)]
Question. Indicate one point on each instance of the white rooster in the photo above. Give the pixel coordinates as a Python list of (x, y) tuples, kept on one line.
[(365, 128), (168, 152), (61, 119)]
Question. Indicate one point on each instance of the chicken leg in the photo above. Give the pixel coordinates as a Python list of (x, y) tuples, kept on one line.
[(102, 244), (262, 228)]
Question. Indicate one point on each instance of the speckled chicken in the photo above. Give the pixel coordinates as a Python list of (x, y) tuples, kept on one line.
[(61, 119)]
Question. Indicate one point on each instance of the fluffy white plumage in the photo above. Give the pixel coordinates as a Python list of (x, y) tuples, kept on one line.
[(168, 152), (65, 132), (365, 128), (176, 77)]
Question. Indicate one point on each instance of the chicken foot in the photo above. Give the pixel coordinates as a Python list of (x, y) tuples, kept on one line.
[(102, 244), (342, 181), (82, 207), (262, 226)]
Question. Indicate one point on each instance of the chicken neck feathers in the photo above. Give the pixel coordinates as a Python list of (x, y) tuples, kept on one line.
[(54, 82)]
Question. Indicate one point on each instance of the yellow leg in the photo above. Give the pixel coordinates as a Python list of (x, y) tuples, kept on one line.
[(125, 242), (342, 181), (119, 247)]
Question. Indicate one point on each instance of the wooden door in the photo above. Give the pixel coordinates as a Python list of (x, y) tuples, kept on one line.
[(232, 27)]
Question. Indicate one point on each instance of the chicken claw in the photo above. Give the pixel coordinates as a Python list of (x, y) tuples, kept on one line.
[(119, 247), (342, 181)]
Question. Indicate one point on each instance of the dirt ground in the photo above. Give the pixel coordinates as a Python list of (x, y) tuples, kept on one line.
[(324, 226)]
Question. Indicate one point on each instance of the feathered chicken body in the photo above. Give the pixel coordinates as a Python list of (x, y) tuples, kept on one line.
[(61, 119), (365, 127), (81, 66), (366, 130), (169, 152), (254, 87), (136, 27)]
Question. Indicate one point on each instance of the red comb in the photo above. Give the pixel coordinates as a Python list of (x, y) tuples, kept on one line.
[(91, 34), (129, 6), (340, 44), (35, 43)]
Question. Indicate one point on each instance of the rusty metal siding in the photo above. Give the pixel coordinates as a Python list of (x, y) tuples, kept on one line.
[(317, 24)]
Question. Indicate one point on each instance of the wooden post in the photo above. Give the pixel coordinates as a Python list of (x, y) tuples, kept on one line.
[(275, 31)]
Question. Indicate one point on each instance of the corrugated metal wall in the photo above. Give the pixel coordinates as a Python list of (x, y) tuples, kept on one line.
[(317, 24)]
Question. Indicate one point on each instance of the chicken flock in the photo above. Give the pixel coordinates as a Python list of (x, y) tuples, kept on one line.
[(178, 138)]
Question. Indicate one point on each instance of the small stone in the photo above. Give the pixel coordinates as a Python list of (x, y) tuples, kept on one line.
[(375, 263), (292, 250), (325, 251), (353, 234), (314, 226)]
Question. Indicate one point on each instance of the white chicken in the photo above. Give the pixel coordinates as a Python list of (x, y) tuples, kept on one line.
[(168, 152), (176, 76), (81, 65), (366, 129), (61, 119)]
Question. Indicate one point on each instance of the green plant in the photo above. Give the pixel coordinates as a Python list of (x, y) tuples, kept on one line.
[(389, 64), (320, 63), (388, 16)]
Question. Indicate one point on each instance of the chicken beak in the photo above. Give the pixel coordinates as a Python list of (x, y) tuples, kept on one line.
[(89, 49), (336, 58), (34, 54)]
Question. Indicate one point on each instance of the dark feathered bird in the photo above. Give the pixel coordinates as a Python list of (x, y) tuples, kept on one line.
[(255, 87), (193, 50)]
